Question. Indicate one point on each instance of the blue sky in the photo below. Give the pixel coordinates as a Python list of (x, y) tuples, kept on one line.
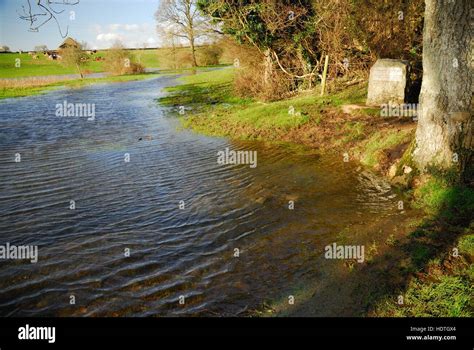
[(98, 22)]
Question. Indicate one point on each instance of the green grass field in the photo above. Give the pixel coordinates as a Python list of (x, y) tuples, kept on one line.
[(40, 67), (43, 67), (149, 58)]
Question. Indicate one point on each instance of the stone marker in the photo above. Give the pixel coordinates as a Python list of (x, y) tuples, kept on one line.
[(388, 82)]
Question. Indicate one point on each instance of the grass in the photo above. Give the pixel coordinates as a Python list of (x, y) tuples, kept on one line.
[(36, 85), (48, 85), (353, 131), (201, 90), (53, 74), (441, 283), (438, 196), (381, 141), (466, 245), (420, 254), (391, 241), (446, 296), (247, 120), (149, 58), (40, 67), (352, 95), (213, 109), (43, 67)]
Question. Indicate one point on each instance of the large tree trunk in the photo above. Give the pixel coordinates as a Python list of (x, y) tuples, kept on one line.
[(444, 134)]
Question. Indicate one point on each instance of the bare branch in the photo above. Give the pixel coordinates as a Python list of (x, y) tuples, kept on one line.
[(43, 13)]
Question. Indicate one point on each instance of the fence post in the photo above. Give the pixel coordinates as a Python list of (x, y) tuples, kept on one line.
[(325, 72)]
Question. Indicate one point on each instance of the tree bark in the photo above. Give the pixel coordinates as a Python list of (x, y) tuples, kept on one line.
[(190, 29), (444, 133), (80, 71), (193, 51)]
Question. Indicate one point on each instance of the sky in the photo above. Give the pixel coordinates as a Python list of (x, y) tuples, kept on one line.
[(100, 23)]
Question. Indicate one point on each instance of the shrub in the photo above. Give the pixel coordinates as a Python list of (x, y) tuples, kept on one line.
[(120, 62), (250, 74), (209, 55), (175, 58)]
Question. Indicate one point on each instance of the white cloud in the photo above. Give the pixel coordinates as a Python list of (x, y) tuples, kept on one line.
[(114, 27), (130, 34), (108, 37), (131, 27)]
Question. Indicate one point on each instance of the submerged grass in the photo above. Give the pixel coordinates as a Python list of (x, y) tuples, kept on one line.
[(36, 87)]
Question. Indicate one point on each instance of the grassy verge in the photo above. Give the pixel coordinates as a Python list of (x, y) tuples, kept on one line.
[(440, 253), (378, 142), (444, 288), (213, 109)]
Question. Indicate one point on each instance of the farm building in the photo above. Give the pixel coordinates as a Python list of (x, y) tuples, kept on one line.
[(69, 42)]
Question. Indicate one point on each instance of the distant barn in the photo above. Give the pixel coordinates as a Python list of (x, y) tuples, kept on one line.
[(68, 43)]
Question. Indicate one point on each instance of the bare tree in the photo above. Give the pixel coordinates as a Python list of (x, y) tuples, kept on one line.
[(40, 12), (41, 48), (170, 59), (74, 57), (182, 19)]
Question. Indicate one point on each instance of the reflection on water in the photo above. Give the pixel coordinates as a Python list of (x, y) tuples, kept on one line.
[(174, 252)]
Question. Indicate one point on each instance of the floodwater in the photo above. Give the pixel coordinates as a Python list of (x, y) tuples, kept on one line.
[(130, 248), (60, 76)]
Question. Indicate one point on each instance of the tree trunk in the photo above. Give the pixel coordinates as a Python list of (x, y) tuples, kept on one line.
[(444, 133), (80, 71), (193, 51)]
